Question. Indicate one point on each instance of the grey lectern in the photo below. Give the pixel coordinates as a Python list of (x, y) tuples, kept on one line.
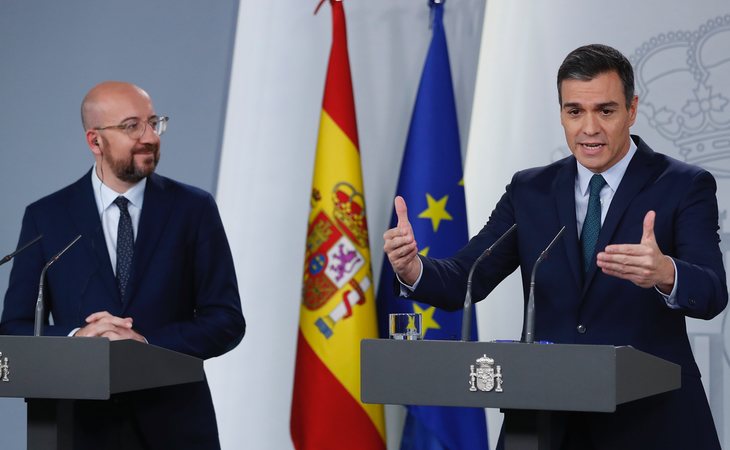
[(526, 381), (50, 371)]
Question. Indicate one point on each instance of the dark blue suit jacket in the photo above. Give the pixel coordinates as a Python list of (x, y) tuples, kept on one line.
[(609, 310), (182, 295)]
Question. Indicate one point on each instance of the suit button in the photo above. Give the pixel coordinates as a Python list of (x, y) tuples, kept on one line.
[(581, 328), (692, 301)]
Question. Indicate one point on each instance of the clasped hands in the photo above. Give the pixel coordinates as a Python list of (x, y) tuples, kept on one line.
[(103, 324)]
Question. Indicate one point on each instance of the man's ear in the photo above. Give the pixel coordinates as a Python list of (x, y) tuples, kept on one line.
[(94, 141)]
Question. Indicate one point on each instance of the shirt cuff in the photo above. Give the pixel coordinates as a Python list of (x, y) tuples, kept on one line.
[(671, 298), (406, 290)]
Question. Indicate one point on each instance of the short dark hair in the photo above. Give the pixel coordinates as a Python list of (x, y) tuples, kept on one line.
[(587, 62)]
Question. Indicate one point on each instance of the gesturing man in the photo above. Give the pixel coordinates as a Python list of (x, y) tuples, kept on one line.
[(640, 253)]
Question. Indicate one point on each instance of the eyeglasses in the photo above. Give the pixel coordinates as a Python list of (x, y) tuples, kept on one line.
[(135, 128)]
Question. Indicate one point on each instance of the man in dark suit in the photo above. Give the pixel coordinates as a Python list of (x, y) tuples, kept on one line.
[(153, 265), (639, 254)]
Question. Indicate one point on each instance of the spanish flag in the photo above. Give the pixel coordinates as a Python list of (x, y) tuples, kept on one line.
[(338, 307)]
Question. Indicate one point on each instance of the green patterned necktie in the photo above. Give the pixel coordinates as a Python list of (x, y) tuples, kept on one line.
[(592, 222)]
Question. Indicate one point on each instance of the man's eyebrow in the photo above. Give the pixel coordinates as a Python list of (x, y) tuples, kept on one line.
[(610, 104), (138, 118)]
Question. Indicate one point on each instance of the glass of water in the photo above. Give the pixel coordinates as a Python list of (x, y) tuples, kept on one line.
[(405, 326)]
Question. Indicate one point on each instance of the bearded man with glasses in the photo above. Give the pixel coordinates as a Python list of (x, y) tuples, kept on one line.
[(153, 265)]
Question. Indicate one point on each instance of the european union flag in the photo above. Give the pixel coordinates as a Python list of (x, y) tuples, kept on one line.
[(431, 181)]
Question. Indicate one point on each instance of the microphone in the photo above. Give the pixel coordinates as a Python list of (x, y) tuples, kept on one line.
[(7, 258), (466, 318), (530, 315), (39, 305)]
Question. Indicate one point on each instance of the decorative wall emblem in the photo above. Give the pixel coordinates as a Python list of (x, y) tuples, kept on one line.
[(683, 84), (486, 377)]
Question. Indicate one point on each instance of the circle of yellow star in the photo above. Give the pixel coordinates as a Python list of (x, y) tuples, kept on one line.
[(427, 321), (436, 211)]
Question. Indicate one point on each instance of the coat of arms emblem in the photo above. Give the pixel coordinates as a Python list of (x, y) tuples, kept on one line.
[(4, 368), (485, 376)]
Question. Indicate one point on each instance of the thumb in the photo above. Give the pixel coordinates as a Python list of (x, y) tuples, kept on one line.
[(648, 234), (401, 210)]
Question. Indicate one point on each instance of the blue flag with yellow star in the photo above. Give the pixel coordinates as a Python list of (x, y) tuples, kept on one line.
[(431, 182)]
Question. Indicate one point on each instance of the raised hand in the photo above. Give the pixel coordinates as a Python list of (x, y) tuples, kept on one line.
[(643, 264), (400, 246)]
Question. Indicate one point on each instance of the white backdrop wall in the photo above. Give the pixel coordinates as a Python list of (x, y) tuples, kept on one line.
[(265, 176), (270, 135), (516, 123)]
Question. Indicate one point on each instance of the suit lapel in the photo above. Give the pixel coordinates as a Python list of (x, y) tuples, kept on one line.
[(639, 173), (564, 190), (83, 210), (156, 210)]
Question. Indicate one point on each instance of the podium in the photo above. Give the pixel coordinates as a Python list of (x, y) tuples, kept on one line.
[(50, 371), (527, 381)]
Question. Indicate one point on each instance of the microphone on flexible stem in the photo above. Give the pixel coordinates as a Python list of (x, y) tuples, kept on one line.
[(530, 315), (39, 305), (7, 258), (466, 318)]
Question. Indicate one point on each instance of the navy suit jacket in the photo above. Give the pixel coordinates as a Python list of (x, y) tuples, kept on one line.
[(182, 293), (600, 309)]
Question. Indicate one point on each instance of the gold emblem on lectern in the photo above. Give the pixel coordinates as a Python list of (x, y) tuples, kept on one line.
[(486, 377)]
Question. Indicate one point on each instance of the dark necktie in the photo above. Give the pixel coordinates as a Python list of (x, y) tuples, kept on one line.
[(125, 244), (592, 222)]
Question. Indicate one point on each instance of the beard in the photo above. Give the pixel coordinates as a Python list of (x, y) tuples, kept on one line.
[(128, 170)]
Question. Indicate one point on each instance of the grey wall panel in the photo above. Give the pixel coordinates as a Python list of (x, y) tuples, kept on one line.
[(52, 52)]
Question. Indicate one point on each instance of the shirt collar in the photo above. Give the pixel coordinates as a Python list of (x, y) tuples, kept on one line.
[(612, 175), (105, 195)]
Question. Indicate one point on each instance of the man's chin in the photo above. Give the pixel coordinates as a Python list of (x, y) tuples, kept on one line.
[(146, 170), (140, 172)]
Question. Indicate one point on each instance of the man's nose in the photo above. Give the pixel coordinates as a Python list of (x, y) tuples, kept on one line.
[(591, 125), (148, 135)]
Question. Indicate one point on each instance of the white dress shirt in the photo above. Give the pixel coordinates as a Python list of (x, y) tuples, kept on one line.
[(109, 212), (613, 177)]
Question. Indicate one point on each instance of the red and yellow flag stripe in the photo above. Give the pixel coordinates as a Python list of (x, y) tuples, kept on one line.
[(338, 307)]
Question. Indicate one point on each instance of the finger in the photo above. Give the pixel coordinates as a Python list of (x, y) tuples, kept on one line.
[(397, 242), (626, 249), (616, 273), (622, 267), (636, 279), (392, 235), (112, 336), (648, 234), (401, 211), (95, 329), (404, 252), (122, 322), (97, 315), (635, 270)]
